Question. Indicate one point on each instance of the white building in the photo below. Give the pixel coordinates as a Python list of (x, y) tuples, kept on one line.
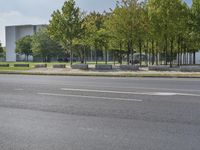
[(198, 57), (13, 34), (188, 58)]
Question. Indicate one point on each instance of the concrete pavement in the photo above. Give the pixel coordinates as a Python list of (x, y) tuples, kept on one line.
[(78, 113)]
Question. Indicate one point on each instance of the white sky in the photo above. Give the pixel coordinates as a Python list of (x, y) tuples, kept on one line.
[(16, 12)]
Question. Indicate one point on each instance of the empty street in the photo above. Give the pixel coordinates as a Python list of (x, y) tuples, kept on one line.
[(98, 113)]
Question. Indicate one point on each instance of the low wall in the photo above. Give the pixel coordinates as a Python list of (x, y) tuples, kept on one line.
[(103, 67), (159, 68), (174, 69), (4, 65), (190, 68), (21, 65), (129, 67), (181, 68), (41, 66), (59, 66), (80, 66)]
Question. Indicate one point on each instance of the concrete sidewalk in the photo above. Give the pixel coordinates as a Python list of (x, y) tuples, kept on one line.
[(110, 73)]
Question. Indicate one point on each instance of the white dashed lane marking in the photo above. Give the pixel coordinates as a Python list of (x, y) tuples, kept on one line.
[(90, 97), (132, 93), (19, 89)]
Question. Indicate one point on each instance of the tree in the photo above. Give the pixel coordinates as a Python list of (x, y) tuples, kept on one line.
[(196, 15), (2, 51), (44, 46), (117, 36), (155, 28), (166, 28), (167, 20), (66, 26), (195, 30), (23, 46), (95, 34), (127, 26), (141, 26), (1, 48)]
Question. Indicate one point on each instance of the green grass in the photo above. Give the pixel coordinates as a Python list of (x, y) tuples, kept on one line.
[(32, 64), (52, 63), (14, 68), (22, 70), (106, 74)]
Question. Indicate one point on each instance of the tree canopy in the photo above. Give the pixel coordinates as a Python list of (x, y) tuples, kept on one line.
[(1, 48), (23, 46), (43, 46), (167, 31), (66, 25)]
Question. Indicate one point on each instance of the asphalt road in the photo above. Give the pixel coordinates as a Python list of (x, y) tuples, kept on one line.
[(90, 113)]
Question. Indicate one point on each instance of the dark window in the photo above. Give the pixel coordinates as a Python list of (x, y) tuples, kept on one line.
[(34, 29)]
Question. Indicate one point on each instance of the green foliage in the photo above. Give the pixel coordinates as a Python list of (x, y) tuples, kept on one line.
[(1, 48), (43, 46), (94, 33), (195, 24), (2, 51), (168, 26), (23, 46), (66, 25), (196, 15), (154, 27)]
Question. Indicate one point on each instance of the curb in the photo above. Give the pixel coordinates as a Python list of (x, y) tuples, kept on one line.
[(104, 75)]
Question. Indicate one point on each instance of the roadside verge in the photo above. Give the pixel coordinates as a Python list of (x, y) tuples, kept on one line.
[(64, 72)]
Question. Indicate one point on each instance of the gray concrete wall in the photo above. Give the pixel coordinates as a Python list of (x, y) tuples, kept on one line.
[(13, 34), (190, 59), (10, 43), (22, 31), (198, 58)]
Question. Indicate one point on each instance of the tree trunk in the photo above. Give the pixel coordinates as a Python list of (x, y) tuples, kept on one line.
[(178, 53), (128, 54), (153, 54), (91, 55), (106, 56), (84, 55), (71, 54), (71, 57), (171, 53), (156, 53), (140, 49), (96, 56), (166, 49), (120, 53), (181, 59), (114, 56), (157, 57), (194, 57), (27, 58), (121, 58), (131, 47), (147, 53), (184, 55)]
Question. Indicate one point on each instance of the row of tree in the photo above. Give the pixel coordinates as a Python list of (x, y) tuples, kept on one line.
[(2, 51), (39, 45), (162, 29)]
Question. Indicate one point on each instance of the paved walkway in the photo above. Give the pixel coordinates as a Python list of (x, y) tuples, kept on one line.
[(111, 72)]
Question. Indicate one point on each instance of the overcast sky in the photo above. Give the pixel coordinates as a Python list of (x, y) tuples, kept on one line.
[(16, 12)]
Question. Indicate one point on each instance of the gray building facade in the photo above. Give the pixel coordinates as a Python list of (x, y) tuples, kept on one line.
[(13, 34)]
